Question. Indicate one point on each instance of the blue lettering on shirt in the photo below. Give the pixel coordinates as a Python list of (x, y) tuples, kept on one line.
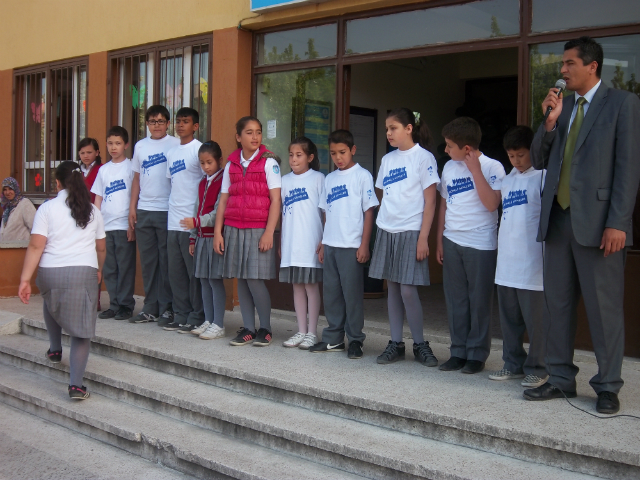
[(492, 179), (513, 199), (459, 185), (395, 175), (113, 187), (294, 195), (430, 170), (177, 166), (337, 193), (152, 161)]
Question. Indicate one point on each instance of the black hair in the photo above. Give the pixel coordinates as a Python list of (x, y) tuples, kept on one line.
[(190, 113), (118, 131), (342, 136), (421, 134), (242, 123), (463, 131), (212, 148), (588, 51), (309, 148), (78, 200), (85, 142), (155, 110), (518, 137)]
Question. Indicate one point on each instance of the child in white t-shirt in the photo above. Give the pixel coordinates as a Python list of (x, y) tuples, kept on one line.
[(467, 243), (408, 178), (519, 269), (348, 202), (113, 194), (301, 238)]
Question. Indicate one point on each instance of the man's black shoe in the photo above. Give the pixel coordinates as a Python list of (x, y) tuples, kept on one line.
[(393, 353), (546, 392), (472, 366), (123, 314), (107, 314), (323, 347), (454, 363), (355, 350), (608, 403)]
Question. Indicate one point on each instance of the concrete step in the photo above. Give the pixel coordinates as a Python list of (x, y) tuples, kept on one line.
[(349, 445), (185, 447), (405, 397)]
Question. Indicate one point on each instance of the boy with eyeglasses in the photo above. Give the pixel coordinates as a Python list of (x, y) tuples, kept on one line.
[(148, 213)]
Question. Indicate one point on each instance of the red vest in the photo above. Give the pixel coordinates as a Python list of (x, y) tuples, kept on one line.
[(249, 202), (89, 179), (207, 198)]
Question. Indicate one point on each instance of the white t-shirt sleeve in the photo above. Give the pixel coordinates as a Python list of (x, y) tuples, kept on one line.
[(98, 187), (135, 161), (381, 170), (428, 172), (442, 186), (272, 171), (369, 198), (496, 175), (322, 204), (97, 217), (41, 223), (226, 181)]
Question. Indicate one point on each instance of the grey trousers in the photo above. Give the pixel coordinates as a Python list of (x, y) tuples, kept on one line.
[(119, 271), (185, 287), (570, 270), (151, 236), (519, 310), (468, 276), (343, 292)]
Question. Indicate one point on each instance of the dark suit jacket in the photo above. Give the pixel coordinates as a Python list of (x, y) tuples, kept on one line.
[(605, 170)]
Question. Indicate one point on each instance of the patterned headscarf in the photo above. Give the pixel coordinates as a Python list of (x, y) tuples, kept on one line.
[(9, 205)]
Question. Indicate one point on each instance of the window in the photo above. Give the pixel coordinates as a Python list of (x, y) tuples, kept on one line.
[(309, 43), (51, 112), (555, 15)]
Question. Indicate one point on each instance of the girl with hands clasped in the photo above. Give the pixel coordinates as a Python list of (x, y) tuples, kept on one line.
[(205, 259), (408, 178), (249, 209)]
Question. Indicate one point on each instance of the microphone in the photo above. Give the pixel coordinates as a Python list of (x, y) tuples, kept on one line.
[(560, 85)]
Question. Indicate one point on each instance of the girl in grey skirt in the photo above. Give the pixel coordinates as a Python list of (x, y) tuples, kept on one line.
[(68, 248), (249, 209), (408, 177)]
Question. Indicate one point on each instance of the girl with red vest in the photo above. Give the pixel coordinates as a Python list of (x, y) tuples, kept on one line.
[(249, 208), (205, 260)]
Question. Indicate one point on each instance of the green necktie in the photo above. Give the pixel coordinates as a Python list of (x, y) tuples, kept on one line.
[(565, 172)]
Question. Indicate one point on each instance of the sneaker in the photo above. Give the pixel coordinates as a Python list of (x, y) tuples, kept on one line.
[(172, 327), (295, 341), (355, 350), (244, 336), (78, 393), (309, 341), (201, 329), (393, 353), (186, 328), (108, 313), (123, 314), (505, 374), (263, 338), (166, 318), (143, 318), (323, 347), (533, 381), (54, 357), (423, 354), (214, 331)]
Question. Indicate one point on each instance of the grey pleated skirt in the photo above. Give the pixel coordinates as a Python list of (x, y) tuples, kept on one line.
[(300, 275), (242, 259), (205, 260), (394, 258), (70, 298)]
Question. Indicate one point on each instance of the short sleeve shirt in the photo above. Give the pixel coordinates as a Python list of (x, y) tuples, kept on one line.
[(113, 184), (183, 168), (150, 161)]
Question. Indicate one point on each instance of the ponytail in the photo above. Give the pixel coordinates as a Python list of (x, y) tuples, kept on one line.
[(421, 134), (78, 200)]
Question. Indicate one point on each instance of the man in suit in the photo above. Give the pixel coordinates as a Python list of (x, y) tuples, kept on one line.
[(590, 145)]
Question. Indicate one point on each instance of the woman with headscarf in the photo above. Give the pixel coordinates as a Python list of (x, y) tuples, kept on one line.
[(18, 213)]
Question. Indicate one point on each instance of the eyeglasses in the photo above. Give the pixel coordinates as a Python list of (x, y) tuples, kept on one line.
[(157, 122)]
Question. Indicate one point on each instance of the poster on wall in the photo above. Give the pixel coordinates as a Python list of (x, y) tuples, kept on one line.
[(317, 127)]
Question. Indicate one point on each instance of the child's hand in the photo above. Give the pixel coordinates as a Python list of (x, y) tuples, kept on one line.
[(423, 248), (187, 223), (266, 242), (440, 253), (133, 218), (99, 278), (24, 292), (218, 244), (472, 160), (192, 248), (131, 235), (320, 252), (363, 254)]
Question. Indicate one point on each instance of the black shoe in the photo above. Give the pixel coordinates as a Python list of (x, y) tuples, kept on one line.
[(166, 318), (355, 350), (454, 363), (472, 366), (322, 347), (54, 357), (263, 338), (173, 326), (424, 354), (143, 318), (546, 392), (244, 337), (78, 393), (393, 353), (108, 313), (186, 328), (123, 314), (608, 403)]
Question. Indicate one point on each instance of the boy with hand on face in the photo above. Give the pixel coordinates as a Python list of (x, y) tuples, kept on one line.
[(348, 204), (467, 243), (113, 194), (148, 213)]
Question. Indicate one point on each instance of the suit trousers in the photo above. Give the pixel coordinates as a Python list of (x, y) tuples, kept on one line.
[(572, 269), (185, 287), (119, 270)]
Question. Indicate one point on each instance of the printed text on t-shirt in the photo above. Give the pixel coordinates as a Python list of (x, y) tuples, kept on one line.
[(337, 193), (515, 197), (114, 187), (459, 185), (395, 175), (295, 195), (177, 166), (152, 161)]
